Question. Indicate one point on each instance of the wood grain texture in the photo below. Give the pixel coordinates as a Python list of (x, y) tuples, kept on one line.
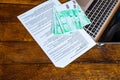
[(30, 52), (72, 72), (33, 2), (22, 59)]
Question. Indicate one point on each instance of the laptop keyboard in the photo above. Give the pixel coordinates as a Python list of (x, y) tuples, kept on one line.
[(98, 13)]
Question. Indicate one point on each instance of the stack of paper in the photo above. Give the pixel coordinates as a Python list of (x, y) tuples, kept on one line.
[(61, 49), (68, 18)]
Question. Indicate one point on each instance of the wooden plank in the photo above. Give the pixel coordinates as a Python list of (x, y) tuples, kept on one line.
[(14, 32), (10, 27), (30, 52), (32, 2), (21, 52), (71, 72), (1, 72), (35, 2), (9, 12)]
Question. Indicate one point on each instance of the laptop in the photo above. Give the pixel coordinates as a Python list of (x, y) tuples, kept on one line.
[(100, 12)]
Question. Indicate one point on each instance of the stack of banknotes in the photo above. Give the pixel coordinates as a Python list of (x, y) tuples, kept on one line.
[(68, 18)]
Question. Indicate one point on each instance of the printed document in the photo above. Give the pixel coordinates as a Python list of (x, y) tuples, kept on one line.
[(61, 49)]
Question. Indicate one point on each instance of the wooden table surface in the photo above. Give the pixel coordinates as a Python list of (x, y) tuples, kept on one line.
[(22, 59)]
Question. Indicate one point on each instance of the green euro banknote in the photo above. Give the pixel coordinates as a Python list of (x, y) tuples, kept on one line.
[(68, 18), (56, 29)]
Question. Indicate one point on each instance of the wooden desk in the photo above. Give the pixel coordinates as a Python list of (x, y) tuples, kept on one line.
[(22, 59)]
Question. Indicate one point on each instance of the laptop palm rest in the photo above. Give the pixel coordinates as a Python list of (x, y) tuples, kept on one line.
[(84, 4)]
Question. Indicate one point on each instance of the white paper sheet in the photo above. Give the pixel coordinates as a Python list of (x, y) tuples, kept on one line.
[(61, 50)]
